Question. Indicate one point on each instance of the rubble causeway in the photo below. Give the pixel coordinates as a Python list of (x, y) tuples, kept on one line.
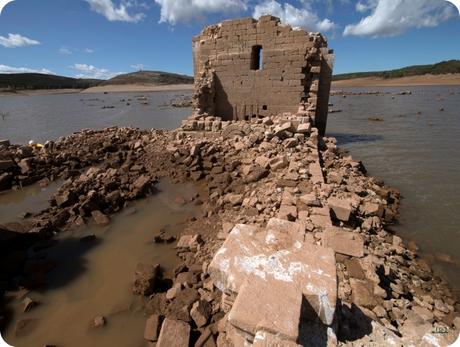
[(292, 190)]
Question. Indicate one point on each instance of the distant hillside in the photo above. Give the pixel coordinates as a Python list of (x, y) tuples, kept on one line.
[(149, 77), (30, 81), (445, 67)]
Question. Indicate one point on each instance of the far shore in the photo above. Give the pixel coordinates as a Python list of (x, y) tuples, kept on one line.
[(120, 88), (425, 80)]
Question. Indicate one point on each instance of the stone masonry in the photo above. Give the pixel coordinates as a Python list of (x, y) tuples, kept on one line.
[(247, 68)]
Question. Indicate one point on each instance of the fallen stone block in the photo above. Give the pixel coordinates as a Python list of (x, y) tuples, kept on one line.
[(245, 255), (152, 326), (174, 334), (343, 242), (371, 209), (269, 305), (341, 208), (362, 293)]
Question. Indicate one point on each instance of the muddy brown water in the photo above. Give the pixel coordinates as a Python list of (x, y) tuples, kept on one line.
[(28, 199), (95, 278)]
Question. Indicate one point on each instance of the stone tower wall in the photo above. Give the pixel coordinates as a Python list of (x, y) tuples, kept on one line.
[(295, 70)]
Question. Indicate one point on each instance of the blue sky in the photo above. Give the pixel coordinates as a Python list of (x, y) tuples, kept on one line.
[(101, 38)]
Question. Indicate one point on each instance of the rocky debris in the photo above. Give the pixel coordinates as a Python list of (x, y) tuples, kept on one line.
[(291, 203), (98, 322), (145, 278), (174, 334), (152, 328)]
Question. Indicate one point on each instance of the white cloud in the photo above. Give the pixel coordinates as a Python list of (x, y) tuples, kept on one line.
[(11, 69), (88, 50), (17, 40), (115, 13), (297, 17), (90, 71), (174, 11), (393, 17), (138, 66), (65, 51)]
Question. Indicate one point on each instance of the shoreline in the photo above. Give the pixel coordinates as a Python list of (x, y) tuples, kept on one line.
[(410, 81), (130, 88), (269, 187)]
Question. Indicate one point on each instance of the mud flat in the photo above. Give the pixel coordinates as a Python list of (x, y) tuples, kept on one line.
[(289, 228)]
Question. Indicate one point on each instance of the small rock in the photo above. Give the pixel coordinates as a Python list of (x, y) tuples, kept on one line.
[(28, 303), (200, 312), (100, 218), (97, 322)]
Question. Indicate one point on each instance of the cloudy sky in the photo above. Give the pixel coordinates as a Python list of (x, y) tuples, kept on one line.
[(100, 38)]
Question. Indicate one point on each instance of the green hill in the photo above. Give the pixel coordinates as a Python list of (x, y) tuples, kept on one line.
[(30, 81), (149, 77), (445, 67)]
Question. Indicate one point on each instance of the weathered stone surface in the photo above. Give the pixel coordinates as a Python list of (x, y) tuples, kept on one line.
[(342, 208), (282, 234), (97, 322), (269, 305), (344, 242), (145, 277), (152, 327), (174, 334), (246, 254)]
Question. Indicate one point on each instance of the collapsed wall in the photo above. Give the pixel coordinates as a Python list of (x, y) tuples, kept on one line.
[(247, 68)]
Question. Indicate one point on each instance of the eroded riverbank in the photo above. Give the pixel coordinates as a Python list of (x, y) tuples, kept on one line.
[(253, 173)]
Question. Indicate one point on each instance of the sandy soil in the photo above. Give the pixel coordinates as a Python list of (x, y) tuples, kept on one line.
[(40, 92), (138, 88), (426, 80)]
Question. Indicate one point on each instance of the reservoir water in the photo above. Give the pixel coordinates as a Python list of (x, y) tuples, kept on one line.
[(414, 147)]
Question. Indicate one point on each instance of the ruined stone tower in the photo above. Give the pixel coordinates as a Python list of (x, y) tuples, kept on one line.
[(247, 68)]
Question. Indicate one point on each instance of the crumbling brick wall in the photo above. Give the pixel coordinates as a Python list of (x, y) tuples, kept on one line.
[(247, 68)]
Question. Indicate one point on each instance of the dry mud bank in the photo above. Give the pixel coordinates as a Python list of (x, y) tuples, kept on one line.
[(291, 229)]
